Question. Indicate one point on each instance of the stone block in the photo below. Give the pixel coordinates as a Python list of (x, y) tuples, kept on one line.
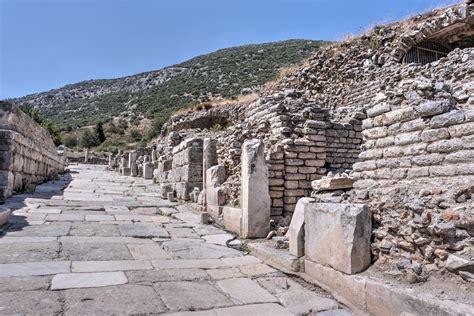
[(255, 199), (170, 196), (4, 216), (148, 170), (232, 217), (330, 184), (338, 235), (126, 171), (447, 119), (296, 229), (431, 108)]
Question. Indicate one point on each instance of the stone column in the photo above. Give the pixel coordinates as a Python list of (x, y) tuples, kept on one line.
[(132, 158), (153, 155), (110, 160), (255, 196), (86, 155), (209, 159)]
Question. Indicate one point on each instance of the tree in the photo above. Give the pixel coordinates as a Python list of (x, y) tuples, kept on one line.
[(88, 139), (70, 141), (99, 131), (53, 130)]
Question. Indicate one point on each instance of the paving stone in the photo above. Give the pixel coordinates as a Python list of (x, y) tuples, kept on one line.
[(98, 218), (65, 217), (295, 297), (28, 252), (116, 210), (118, 265), (240, 261), (83, 280), (125, 240), (93, 229), (192, 295), (335, 312), (168, 275), (144, 211), (245, 291), (218, 239), (203, 230), (188, 217), (210, 312), (34, 268), (38, 231), (148, 252), (190, 263), (167, 211), (181, 232), (31, 303), (256, 269), (254, 309), (143, 230), (135, 218), (113, 300), (11, 240), (28, 283), (45, 211), (196, 249), (94, 251), (226, 273)]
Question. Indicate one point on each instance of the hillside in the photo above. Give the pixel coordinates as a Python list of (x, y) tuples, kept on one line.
[(223, 73)]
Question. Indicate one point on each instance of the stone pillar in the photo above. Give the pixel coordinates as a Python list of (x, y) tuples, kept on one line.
[(215, 196), (86, 155), (148, 170), (110, 160), (209, 159), (153, 155), (255, 196), (134, 170), (132, 158)]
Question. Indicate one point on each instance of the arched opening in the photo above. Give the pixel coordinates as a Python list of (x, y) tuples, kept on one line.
[(426, 52), (439, 44)]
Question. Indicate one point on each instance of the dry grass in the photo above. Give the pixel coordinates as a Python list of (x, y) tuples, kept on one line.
[(204, 106)]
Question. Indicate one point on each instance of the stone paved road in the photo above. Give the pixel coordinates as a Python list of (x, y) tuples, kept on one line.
[(108, 245)]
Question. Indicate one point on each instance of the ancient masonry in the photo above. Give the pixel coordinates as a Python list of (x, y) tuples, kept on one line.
[(377, 130), (27, 153)]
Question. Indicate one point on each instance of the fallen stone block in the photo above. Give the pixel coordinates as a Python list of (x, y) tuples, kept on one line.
[(338, 235), (330, 184)]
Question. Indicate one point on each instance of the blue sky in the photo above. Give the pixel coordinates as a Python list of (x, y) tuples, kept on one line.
[(45, 44)]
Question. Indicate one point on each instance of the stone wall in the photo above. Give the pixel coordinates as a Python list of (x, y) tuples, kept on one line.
[(182, 171), (417, 166), (28, 155)]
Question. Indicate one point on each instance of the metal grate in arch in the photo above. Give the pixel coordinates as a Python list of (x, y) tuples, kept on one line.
[(426, 52)]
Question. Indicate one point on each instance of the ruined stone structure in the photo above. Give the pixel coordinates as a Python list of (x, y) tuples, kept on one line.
[(28, 155), (382, 137)]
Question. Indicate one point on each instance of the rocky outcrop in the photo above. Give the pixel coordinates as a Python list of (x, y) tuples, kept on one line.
[(28, 155)]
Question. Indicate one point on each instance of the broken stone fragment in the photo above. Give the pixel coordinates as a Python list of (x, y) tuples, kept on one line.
[(456, 263), (330, 184)]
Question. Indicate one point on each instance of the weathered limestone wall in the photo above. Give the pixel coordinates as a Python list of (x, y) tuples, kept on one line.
[(28, 155), (417, 168)]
